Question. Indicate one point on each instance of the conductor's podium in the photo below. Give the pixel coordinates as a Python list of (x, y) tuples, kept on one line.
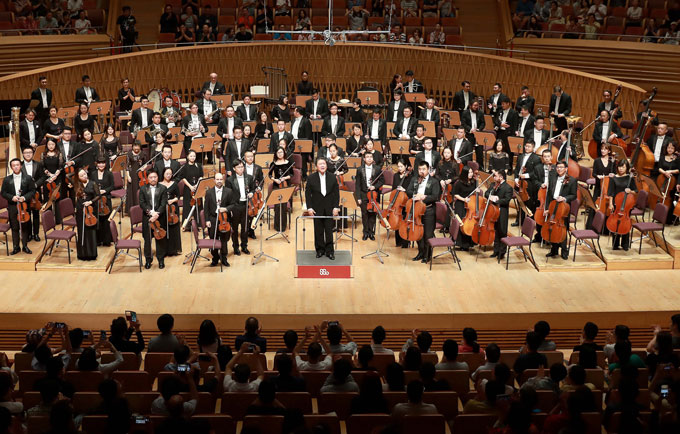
[(308, 266)]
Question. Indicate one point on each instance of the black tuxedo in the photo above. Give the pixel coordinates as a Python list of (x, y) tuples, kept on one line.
[(227, 201), (382, 130), (466, 122), (434, 118), (322, 206), (399, 106), (240, 213), (601, 108), (159, 205), (231, 152), (545, 135), (277, 137), (258, 175), (597, 132), (489, 100), (417, 87), (223, 128), (529, 126), (568, 191), (433, 192), (241, 112), (82, 97), (651, 143), (213, 109), (73, 150), (529, 102), (529, 166), (219, 88), (399, 126), (360, 193), (42, 110), (420, 156), (304, 130), (321, 109), (513, 121), (564, 108), (532, 162), (339, 130), (465, 151), (459, 100), (186, 121), (27, 190), (24, 137), (136, 118), (160, 166), (323, 152), (39, 178), (504, 193)]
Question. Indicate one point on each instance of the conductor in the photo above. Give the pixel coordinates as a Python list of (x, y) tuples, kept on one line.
[(323, 198)]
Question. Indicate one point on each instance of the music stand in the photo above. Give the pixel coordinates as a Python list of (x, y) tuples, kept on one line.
[(341, 143), (101, 108), (430, 130), (454, 117), (378, 252), (378, 146), (303, 146), (251, 124), (317, 124), (263, 146), (516, 143), (366, 96), (202, 188), (202, 145), (301, 100), (177, 149), (414, 97), (258, 219), (67, 112), (486, 140), (448, 133), (174, 132), (618, 152), (222, 101), (347, 201), (264, 160), (281, 197), (353, 162)]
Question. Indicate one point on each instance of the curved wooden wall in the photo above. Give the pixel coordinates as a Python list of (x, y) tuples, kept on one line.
[(338, 71)]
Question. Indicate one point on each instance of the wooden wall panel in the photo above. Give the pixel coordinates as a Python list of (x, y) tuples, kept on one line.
[(338, 71)]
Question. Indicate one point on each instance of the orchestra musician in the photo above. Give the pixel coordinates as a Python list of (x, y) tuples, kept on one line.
[(524, 171), (322, 198), (498, 158), (463, 98), (540, 179), (493, 103), (472, 120), (401, 181), (53, 127), (464, 186), (376, 128), (192, 171), (166, 158), (447, 171), (658, 143), (605, 131), (316, 107), (416, 144), (86, 94), (174, 232), (156, 127), (264, 128), (30, 131), (356, 141), (405, 128), (607, 105), (44, 97), (334, 123), (500, 194), (428, 154), (526, 122), (153, 199), (566, 147), (369, 148), (461, 147), (281, 110), (425, 188), (207, 108), (669, 166), (301, 128), (395, 109), (86, 191), (280, 171), (68, 149), (560, 107), (103, 178), (194, 125), (90, 147), (141, 117), (506, 122), (561, 188), (17, 188), (356, 113), (304, 86), (413, 85), (621, 183), (324, 150), (53, 165), (368, 178), (243, 186), (83, 121), (215, 87), (246, 111), (126, 96), (603, 166), (219, 199), (36, 171), (169, 114), (135, 159), (280, 134), (109, 145), (256, 172), (526, 100), (235, 149), (430, 113), (538, 134)]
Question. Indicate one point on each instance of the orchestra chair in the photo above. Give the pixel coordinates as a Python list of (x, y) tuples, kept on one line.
[(339, 402), (154, 363), (589, 234), (56, 235), (120, 245), (368, 423), (296, 180), (473, 423), (314, 380), (119, 191), (448, 242), (445, 401), (524, 240), (27, 379), (136, 215), (640, 205), (204, 243), (133, 381), (440, 212), (4, 228), (574, 206), (658, 224), (38, 424), (220, 423), (394, 398), (330, 421), (3, 209), (66, 210), (388, 176), (235, 404), (427, 423)]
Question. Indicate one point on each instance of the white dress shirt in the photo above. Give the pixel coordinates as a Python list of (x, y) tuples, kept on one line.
[(558, 187), (427, 156), (466, 98), (17, 184), (241, 181), (322, 180), (88, 93), (334, 123), (524, 124), (404, 127), (43, 93), (557, 105), (495, 97), (153, 197), (238, 146), (504, 117), (369, 174), (218, 195), (250, 169), (28, 166), (605, 131), (456, 147), (230, 127), (145, 120), (375, 130), (294, 129), (196, 125), (31, 131), (428, 114), (207, 107), (167, 163), (315, 106), (247, 107), (538, 136), (657, 147), (67, 146), (524, 163), (473, 120), (423, 185)]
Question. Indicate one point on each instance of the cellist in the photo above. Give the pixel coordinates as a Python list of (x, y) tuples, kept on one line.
[(462, 190), (602, 167), (621, 182), (500, 194), (539, 179), (524, 171), (400, 181), (561, 188), (368, 178), (425, 188)]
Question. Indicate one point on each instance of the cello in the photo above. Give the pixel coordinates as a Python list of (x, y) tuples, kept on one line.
[(411, 227), (666, 184), (543, 204), (372, 195), (640, 123), (604, 200), (393, 214), (643, 158), (553, 229), (473, 207), (485, 231), (619, 221)]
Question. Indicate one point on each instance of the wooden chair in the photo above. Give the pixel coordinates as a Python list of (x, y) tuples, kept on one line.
[(314, 380), (30, 399), (154, 363), (133, 381), (473, 423), (459, 381), (28, 378), (367, 423), (330, 421), (85, 381), (220, 423), (140, 402), (265, 424), (131, 361), (38, 424), (446, 403), (426, 423), (381, 361), (339, 402), (394, 398), (85, 402), (235, 404), (298, 400)]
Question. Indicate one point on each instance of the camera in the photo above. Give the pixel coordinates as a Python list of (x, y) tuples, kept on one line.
[(141, 420)]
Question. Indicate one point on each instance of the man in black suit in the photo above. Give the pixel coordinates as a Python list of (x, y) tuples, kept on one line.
[(218, 199), (334, 123), (524, 171), (68, 148), (154, 128), (493, 103), (246, 111), (560, 107), (322, 197), (280, 134), (376, 128), (538, 133), (86, 93), (604, 130), (316, 107), (256, 172), (525, 123), (36, 171), (194, 125), (368, 178), (500, 193), (430, 114), (304, 86), (44, 97), (395, 109), (405, 127), (506, 122), (301, 128), (225, 128), (153, 199), (207, 108), (412, 85), (461, 147), (141, 117), (215, 86), (428, 154), (425, 188), (166, 161), (561, 188), (607, 105), (236, 149), (30, 131), (17, 187), (539, 179), (473, 120), (526, 100), (658, 142), (464, 97), (243, 186)]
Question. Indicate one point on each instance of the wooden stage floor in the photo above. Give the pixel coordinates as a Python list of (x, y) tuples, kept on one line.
[(399, 294)]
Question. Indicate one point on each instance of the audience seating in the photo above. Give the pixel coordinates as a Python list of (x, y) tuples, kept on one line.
[(27, 379), (473, 423), (299, 400), (329, 420), (38, 424), (367, 423), (428, 423), (339, 402), (133, 381), (314, 380), (235, 404), (84, 381)]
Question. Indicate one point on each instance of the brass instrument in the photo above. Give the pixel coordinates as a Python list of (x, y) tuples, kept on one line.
[(171, 116)]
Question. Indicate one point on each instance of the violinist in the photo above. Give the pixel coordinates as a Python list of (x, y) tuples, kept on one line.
[(134, 161), (464, 186), (447, 171), (669, 166), (526, 122), (68, 148), (322, 198), (36, 171), (30, 131), (602, 167), (657, 144), (153, 199), (473, 121), (538, 133), (174, 233), (539, 179), (405, 128), (166, 158), (155, 128), (255, 171), (191, 174), (334, 123), (85, 191), (561, 188), (83, 120), (607, 105), (109, 145), (193, 126), (53, 163), (104, 179), (336, 165), (621, 182), (500, 194), (243, 186), (425, 188), (498, 158), (280, 172), (428, 154), (368, 178), (523, 171), (324, 148), (219, 199), (605, 131), (416, 144), (376, 128), (18, 188), (356, 141), (461, 147), (90, 147), (400, 181)]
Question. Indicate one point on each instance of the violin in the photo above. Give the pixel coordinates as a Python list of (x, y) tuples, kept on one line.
[(89, 216), (255, 203), (157, 230), (223, 224), (143, 176), (485, 230), (411, 227), (104, 207), (619, 221), (372, 196), (53, 190), (173, 218), (35, 202), (523, 186), (22, 209), (393, 214), (553, 229)]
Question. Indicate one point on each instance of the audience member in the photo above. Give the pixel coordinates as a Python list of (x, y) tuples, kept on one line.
[(377, 338), (531, 359), (237, 379), (251, 335), (121, 334), (428, 374), (170, 402), (341, 379), (88, 359), (315, 358), (394, 378), (558, 372), (49, 395), (266, 403), (335, 332), (493, 355), (587, 339), (415, 405), (625, 357), (449, 362), (567, 417), (370, 399), (208, 338), (485, 400), (166, 342), (169, 20), (412, 359), (289, 379), (6, 399), (619, 334)]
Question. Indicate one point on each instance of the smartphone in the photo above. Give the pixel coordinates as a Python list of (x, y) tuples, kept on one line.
[(667, 368), (59, 325), (183, 367), (333, 323), (141, 420), (132, 315), (251, 347), (664, 390), (87, 334), (102, 335)]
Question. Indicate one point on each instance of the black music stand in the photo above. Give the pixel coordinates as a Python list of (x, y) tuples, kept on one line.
[(347, 201), (261, 255), (281, 197), (202, 187), (378, 252)]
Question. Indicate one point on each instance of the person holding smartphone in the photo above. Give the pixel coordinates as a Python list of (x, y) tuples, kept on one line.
[(121, 334), (251, 334), (237, 376)]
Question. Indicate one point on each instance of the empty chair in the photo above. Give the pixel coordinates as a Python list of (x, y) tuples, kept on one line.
[(133, 381), (459, 381), (640, 205), (126, 245), (201, 244), (4, 228), (235, 404), (154, 362), (658, 224), (589, 234), (136, 215), (524, 240), (67, 213), (54, 235), (448, 242), (28, 378)]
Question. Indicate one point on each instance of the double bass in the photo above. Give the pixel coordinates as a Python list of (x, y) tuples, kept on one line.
[(573, 168), (666, 186), (604, 199), (484, 232), (393, 214), (411, 227), (473, 208)]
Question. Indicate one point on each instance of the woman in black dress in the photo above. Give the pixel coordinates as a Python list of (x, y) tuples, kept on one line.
[(53, 126), (174, 244), (126, 96), (135, 161), (280, 172), (281, 111), (400, 182), (447, 172), (356, 141), (602, 167), (248, 135), (83, 121), (191, 173), (356, 113), (621, 182), (85, 191), (88, 159), (264, 128), (498, 159), (110, 146), (462, 188), (104, 179), (53, 164), (669, 166)]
